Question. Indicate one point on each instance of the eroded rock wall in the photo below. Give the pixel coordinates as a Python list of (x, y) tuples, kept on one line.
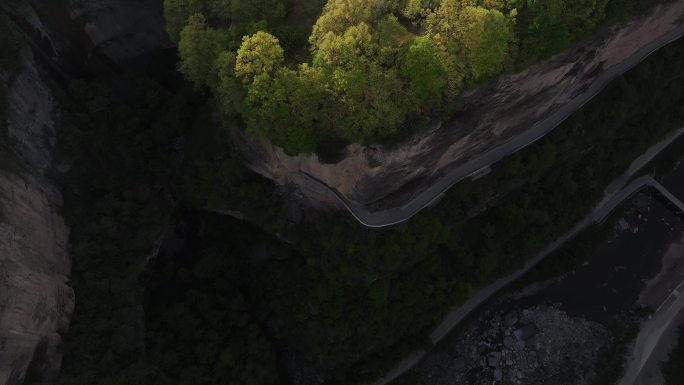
[(65, 39), (35, 299)]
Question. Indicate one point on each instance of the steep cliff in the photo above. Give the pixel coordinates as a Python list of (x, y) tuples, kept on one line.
[(63, 38), (391, 177), (35, 299)]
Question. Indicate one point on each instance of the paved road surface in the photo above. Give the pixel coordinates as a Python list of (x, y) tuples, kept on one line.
[(598, 215), (615, 194), (397, 215), (651, 333)]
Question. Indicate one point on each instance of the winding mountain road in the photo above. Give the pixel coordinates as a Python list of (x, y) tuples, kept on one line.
[(615, 194), (393, 216)]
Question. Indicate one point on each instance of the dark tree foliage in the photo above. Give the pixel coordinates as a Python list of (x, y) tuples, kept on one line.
[(345, 301), (122, 154), (200, 327), (673, 369), (127, 141)]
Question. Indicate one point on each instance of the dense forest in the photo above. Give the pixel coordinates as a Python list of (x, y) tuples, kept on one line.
[(673, 369), (368, 69), (148, 158)]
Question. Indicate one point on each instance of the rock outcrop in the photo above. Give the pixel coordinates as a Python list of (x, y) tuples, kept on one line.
[(386, 177), (35, 299), (121, 29), (65, 37)]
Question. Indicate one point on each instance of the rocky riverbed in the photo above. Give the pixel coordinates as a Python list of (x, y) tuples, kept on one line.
[(538, 345)]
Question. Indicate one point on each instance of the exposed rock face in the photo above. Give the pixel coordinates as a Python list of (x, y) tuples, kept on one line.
[(122, 29), (31, 123), (35, 299), (390, 176)]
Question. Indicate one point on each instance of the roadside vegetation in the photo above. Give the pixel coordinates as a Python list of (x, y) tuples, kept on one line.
[(342, 301), (673, 369), (368, 69)]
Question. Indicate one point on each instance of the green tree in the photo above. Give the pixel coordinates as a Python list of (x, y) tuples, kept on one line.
[(472, 41), (177, 13), (551, 25), (374, 102), (546, 30), (294, 109), (393, 39), (228, 87), (241, 15), (423, 70), (416, 9), (198, 48), (269, 10), (347, 49), (442, 27), (313, 107), (260, 54), (266, 110), (338, 15), (485, 37), (584, 15)]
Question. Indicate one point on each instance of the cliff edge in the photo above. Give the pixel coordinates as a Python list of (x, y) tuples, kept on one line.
[(376, 183), (35, 298), (63, 37)]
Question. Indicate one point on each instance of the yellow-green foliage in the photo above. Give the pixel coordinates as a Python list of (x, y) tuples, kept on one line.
[(338, 15), (423, 69), (473, 41), (371, 69), (259, 55), (346, 49), (198, 48)]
